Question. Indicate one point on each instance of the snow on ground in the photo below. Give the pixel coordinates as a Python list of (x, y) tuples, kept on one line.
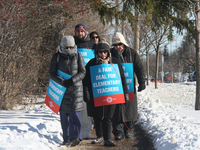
[(166, 113), (35, 128)]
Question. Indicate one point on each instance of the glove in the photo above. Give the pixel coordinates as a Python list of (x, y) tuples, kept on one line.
[(141, 87), (86, 96), (67, 83)]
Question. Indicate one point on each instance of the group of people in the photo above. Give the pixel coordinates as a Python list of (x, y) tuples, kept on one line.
[(79, 110)]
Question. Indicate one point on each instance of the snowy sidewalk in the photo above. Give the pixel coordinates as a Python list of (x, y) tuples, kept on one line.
[(167, 113)]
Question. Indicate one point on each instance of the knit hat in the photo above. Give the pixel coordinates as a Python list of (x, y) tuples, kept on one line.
[(118, 38), (80, 27), (103, 44), (67, 41)]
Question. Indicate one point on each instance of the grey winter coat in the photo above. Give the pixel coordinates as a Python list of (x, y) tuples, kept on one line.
[(72, 64)]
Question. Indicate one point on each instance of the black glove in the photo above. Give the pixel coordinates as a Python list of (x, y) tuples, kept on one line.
[(67, 83), (86, 96), (141, 87)]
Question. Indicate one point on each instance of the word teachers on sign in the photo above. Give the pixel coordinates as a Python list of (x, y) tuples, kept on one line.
[(106, 85)]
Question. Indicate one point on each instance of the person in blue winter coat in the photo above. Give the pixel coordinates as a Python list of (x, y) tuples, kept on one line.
[(68, 61)]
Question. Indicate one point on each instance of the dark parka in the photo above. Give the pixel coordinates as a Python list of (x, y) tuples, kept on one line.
[(74, 66), (130, 110), (84, 43), (102, 111)]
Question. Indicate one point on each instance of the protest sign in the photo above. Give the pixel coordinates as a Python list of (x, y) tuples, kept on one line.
[(87, 54), (55, 93), (128, 72), (106, 85)]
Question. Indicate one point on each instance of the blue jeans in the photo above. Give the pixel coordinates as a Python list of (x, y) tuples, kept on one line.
[(71, 125)]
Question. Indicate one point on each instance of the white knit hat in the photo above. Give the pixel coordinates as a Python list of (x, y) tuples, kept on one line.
[(118, 38)]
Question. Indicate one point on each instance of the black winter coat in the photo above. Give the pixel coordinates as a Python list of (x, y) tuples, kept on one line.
[(102, 111), (84, 43), (74, 66), (130, 111)]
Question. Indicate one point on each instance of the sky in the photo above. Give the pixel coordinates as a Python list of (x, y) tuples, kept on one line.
[(166, 113)]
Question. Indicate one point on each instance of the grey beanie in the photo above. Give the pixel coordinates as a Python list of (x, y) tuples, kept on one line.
[(67, 41)]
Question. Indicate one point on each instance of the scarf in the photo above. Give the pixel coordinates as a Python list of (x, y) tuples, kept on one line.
[(68, 53), (103, 61)]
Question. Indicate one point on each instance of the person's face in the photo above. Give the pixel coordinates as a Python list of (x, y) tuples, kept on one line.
[(118, 47), (95, 38), (103, 53), (80, 34), (68, 48)]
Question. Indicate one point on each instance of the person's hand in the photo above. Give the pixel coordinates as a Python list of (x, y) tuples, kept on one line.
[(67, 83), (141, 87), (86, 96), (126, 98)]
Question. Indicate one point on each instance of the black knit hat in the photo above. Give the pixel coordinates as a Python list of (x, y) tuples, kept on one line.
[(103, 44)]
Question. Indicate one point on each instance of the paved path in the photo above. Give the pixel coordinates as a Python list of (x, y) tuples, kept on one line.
[(139, 141)]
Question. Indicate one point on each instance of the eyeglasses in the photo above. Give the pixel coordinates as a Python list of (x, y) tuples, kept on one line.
[(118, 44), (95, 37), (65, 47), (102, 52)]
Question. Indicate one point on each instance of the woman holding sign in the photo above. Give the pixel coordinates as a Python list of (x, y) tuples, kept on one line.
[(104, 87), (67, 68)]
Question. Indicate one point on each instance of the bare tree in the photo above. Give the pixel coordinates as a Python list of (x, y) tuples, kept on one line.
[(194, 7), (155, 38), (197, 18), (30, 34), (145, 45)]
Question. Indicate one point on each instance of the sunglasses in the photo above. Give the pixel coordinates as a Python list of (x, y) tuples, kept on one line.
[(65, 47), (118, 44), (102, 52), (95, 37)]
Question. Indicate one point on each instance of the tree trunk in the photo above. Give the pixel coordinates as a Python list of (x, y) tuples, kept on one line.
[(116, 25), (123, 27), (137, 37), (157, 67), (147, 67), (197, 103), (137, 32)]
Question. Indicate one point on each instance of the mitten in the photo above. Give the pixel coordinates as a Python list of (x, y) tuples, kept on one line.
[(67, 83), (141, 87)]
